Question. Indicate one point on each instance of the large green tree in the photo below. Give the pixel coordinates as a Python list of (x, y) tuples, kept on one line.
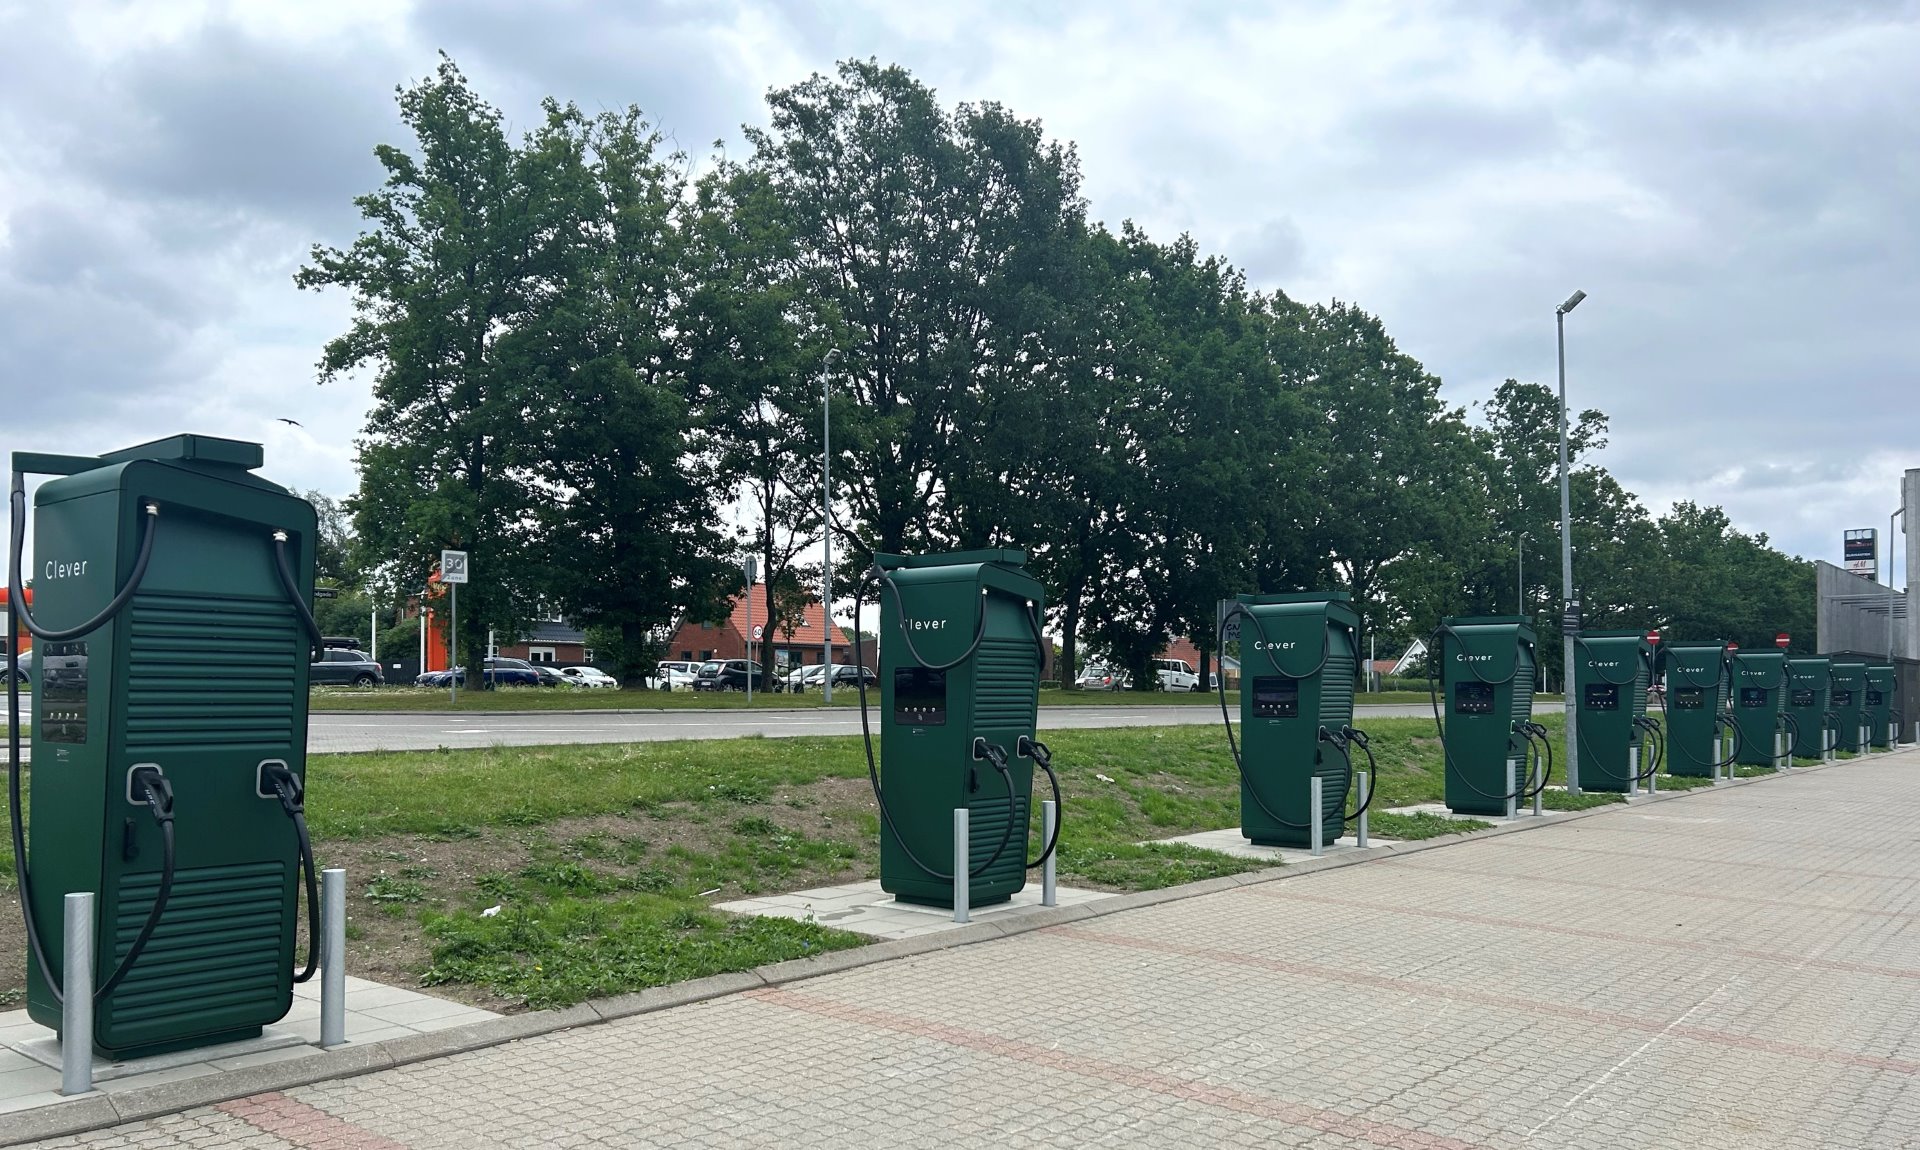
[(444, 283), (626, 520)]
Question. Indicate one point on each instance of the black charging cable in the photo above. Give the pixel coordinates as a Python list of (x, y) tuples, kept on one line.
[(1354, 737), (1656, 744), (1042, 757), (17, 617), (292, 793), (147, 780)]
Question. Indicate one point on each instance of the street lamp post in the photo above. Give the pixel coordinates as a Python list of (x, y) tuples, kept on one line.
[(1570, 614), (826, 525), (1898, 513)]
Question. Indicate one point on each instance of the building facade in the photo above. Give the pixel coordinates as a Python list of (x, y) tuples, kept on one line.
[(790, 645)]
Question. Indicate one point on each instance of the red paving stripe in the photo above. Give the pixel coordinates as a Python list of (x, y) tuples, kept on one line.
[(1587, 932), (305, 1126), (1384, 1134), (1668, 891), (1496, 1001)]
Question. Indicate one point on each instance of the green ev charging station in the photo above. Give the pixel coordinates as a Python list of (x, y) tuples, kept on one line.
[(1807, 705), (1695, 704), (1879, 705), (1849, 705), (1611, 675), (1296, 715), (961, 652), (1485, 674), (1760, 709), (171, 590)]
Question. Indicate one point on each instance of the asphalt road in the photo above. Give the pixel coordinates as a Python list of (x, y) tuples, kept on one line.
[(337, 732)]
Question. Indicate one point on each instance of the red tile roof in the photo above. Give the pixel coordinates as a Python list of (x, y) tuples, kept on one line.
[(809, 630)]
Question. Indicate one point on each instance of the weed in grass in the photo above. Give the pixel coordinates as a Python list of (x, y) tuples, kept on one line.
[(496, 885), (418, 870), (381, 855), (451, 832), (755, 826), (569, 877), (355, 932), (598, 845), (567, 951), (739, 791), (650, 881), (1421, 825), (386, 888), (1585, 800), (13, 996)]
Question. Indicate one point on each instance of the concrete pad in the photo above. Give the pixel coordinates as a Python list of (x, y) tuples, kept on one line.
[(1233, 841), (866, 909), (46, 1051), (30, 1053)]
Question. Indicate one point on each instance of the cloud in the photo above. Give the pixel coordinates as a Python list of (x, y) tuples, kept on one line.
[(1731, 182)]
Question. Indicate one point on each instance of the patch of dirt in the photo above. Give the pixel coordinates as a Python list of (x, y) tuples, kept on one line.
[(386, 942)]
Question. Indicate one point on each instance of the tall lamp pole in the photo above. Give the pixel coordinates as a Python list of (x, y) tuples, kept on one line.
[(826, 525), (1899, 512), (1571, 615)]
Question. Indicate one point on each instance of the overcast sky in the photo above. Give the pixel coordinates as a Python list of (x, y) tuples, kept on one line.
[(1735, 184)]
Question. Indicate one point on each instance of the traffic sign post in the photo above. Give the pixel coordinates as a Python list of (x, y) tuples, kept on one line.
[(453, 572), (750, 568)]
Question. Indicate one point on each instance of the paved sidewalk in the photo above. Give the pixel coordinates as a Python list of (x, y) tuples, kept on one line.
[(1733, 969)]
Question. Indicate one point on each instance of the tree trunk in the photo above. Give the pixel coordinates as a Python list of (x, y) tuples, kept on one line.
[(632, 674), (1069, 641), (1206, 662)]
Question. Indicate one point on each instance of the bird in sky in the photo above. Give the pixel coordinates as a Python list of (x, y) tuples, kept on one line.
[(290, 422)]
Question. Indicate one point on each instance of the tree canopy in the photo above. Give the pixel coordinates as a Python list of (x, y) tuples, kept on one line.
[(587, 360)]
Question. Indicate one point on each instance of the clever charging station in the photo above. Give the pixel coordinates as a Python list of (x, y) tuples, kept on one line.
[(961, 652), (171, 591), (1760, 685), (1612, 672), (1879, 705), (1495, 754), (1849, 705), (1296, 715), (1696, 698), (1807, 705)]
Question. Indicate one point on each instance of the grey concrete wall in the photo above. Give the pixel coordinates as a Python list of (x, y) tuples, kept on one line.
[(1852, 615)]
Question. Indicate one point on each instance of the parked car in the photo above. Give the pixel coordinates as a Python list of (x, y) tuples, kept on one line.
[(1103, 679), (848, 675), (498, 672), (340, 666), (21, 668), (802, 678), (675, 675), (551, 676), (731, 675), (1175, 675), (589, 677)]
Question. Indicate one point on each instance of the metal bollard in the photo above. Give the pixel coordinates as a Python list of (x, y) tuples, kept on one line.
[(333, 957), (76, 1011), (1633, 771), (1049, 896), (1717, 766), (1653, 783), (962, 838), (1512, 773), (1539, 796), (1366, 797), (1315, 788)]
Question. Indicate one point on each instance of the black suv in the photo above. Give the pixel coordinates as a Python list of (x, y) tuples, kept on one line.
[(337, 665), (731, 675)]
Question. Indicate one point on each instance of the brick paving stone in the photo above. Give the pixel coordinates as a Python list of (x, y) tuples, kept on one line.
[(1729, 969)]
